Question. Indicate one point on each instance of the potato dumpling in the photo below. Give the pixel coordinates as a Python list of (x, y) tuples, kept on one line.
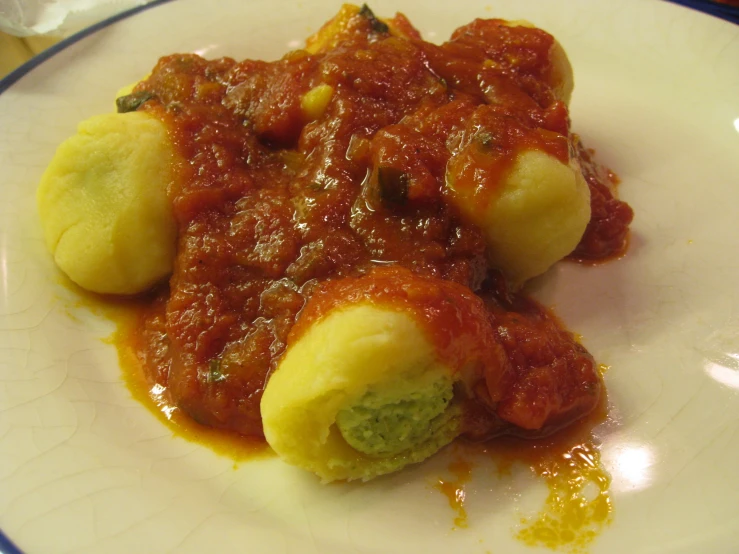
[(361, 393), (560, 77), (104, 207), (536, 218), (332, 31), (336, 29)]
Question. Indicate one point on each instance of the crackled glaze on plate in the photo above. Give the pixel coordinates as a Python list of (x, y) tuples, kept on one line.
[(84, 468)]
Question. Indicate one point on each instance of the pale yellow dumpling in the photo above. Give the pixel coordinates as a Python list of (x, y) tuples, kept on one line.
[(361, 394), (560, 77), (537, 218), (334, 31), (104, 207)]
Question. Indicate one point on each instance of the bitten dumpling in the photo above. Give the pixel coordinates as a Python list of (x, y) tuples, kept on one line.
[(103, 204), (361, 394), (377, 375)]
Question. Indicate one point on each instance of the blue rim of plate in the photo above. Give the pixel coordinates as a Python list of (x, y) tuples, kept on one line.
[(6, 545), (15, 75), (722, 11)]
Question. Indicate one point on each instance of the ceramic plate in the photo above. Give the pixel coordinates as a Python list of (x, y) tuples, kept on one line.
[(85, 468)]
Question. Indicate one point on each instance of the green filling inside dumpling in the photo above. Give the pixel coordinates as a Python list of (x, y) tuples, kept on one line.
[(395, 417)]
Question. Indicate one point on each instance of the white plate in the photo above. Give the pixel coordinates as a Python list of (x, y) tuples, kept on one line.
[(84, 468)]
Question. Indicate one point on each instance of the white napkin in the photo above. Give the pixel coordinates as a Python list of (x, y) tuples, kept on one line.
[(57, 17)]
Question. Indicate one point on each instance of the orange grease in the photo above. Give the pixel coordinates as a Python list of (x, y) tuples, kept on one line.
[(578, 504), (225, 443), (454, 491), (125, 313)]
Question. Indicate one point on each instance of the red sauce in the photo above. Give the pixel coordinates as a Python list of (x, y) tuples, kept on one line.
[(606, 236), (552, 379), (281, 218), (454, 318)]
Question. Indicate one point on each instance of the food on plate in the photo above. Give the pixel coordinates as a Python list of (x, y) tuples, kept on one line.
[(384, 369), (354, 223), (104, 207), (362, 394), (558, 73), (538, 216), (367, 385), (349, 20)]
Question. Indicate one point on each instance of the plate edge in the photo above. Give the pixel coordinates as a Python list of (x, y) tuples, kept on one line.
[(15, 75), (6, 545)]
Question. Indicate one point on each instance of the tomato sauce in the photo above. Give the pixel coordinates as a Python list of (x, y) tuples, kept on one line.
[(606, 235), (282, 214)]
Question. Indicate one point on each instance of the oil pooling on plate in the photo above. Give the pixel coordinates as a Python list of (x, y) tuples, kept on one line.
[(578, 504)]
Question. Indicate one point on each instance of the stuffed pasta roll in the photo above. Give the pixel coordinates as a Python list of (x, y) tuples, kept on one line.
[(376, 373)]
